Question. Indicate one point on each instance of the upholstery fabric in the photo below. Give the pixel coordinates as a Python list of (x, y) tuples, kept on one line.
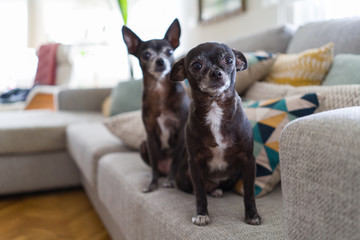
[(345, 70), (306, 68), (129, 127), (37, 130), (268, 118), (105, 214), (87, 143), (166, 213), (37, 171), (320, 168), (82, 99), (344, 33), (333, 96), (277, 40)]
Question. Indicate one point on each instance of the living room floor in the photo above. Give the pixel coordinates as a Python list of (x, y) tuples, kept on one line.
[(53, 215)]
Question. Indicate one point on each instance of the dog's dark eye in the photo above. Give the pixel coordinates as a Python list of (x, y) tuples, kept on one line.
[(196, 66), (146, 55), (169, 52), (229, 60)]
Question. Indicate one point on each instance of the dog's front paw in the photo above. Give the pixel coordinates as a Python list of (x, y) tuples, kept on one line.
[(150, 188), (217, 193), (168, 183), (255, 220), (201, 220)]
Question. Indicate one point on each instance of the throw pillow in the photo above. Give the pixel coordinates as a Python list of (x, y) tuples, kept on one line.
[(254, 73), (268, 118), (105, 107), (258, 56), (306, 68), (345, 70), (128, 127), (41, 101), (126, 96)]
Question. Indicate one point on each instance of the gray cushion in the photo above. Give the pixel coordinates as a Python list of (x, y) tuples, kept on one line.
[(166, 213), (37, 130), (273, 40), (87, 143), (344, 33), (320, 174), (82, 99), (37, 171)]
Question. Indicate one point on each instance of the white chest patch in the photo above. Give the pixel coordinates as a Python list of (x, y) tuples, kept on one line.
[(165, 133), (159, 86), (214, 119)]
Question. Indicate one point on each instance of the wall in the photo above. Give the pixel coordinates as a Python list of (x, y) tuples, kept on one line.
[(259, 15)]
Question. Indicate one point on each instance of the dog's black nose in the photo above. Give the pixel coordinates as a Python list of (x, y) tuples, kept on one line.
[(160, 62), (216, 74)]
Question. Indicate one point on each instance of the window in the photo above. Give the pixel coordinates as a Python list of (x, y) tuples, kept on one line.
[(17, 62), (305, 11)]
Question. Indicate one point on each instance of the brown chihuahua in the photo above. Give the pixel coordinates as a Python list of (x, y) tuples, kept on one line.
[(164, 104), (218, 135)]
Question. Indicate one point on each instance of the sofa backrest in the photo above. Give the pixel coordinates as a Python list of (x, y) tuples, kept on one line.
[(273, 40), (344, 33), (82, 99)]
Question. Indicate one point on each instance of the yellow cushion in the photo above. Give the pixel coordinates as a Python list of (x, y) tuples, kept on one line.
[(306, 68), (106, 106), (42, 101)]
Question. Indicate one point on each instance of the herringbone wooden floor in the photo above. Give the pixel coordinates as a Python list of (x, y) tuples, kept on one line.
[(55, 215)]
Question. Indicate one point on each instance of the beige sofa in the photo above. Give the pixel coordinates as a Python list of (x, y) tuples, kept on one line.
[(319, 157)]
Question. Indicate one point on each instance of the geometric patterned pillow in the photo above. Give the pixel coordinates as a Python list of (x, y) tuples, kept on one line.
[(268, 118)]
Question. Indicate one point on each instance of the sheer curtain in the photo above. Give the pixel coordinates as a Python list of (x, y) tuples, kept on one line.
[(17, 61), (304, 11)]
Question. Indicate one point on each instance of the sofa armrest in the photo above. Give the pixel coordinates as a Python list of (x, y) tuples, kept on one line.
[(82, 99), (320, 175)]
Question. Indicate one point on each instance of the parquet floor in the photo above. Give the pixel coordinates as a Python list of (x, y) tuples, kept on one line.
[(54, 215)]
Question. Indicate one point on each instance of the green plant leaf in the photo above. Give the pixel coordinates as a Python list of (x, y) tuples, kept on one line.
[(123, 9)]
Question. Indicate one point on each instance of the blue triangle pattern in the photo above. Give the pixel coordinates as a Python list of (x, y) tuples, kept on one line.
[(257, 190), (273, 157), (257, 135), (262, 171), (265, 131), (311, 97), (271, 105), (303, 112)]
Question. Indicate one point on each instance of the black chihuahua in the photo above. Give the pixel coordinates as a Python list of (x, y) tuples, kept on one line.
[(218, 135), (164, 104)]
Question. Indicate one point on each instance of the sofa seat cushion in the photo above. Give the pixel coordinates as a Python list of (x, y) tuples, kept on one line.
[(36, 131), (20, 173), (166, 213), (87, 143)]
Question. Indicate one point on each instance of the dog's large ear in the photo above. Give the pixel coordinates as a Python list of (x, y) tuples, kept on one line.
[(131, 40), (178, 73), (173, 34), (241, 61)]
